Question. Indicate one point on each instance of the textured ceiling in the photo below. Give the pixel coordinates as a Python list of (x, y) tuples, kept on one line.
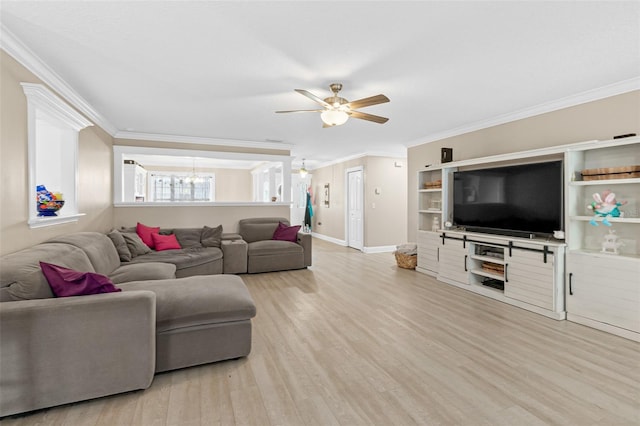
[(221, 69)]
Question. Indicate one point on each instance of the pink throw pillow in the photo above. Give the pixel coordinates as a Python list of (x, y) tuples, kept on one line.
[(65, 282), (286, 233), (165, 242), (145, 232)]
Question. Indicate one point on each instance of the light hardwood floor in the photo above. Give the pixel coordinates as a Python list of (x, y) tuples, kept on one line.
[(356, 341)]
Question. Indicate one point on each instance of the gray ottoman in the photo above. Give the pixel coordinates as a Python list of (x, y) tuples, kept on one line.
[(199, 319)]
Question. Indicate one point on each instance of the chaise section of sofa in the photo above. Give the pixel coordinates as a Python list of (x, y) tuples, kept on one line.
[(200, 319)]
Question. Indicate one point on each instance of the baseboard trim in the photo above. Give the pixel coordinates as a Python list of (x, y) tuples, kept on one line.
[(379, 249), (329, 239), (343, 243)]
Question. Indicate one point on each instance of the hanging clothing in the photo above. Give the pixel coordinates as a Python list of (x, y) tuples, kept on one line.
[(308, 213)]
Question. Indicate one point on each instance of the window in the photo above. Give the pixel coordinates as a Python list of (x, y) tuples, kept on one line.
[(267, 182), (164, 174), (166, 186), (53, 128)]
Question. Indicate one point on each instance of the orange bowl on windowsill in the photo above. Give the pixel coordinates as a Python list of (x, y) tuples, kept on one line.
[(50, 208)]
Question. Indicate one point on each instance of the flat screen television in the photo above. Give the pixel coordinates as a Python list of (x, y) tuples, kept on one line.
[(520, 200)]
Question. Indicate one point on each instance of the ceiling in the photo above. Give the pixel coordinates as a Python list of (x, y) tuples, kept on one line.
[(220, 69)]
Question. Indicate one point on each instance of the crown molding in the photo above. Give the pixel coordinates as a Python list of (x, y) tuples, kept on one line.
[(360, 155), (27, 58), (48, 102), (614, 89), (201, 140)]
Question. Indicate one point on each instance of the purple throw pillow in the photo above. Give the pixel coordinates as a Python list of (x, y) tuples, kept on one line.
[(66, 282), (286, 233)]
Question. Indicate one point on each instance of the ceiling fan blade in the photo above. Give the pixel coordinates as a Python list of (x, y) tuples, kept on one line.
[(313, 97), (300, 110), (369, 117), (365, 102)]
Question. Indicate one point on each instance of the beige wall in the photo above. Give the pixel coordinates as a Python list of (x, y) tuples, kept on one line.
[(192, 217), (234, 185), (384, 225), (601, 119), (95, 169)]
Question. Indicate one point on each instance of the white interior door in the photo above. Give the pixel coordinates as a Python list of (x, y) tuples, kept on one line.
[(299, 188), (355, 210)]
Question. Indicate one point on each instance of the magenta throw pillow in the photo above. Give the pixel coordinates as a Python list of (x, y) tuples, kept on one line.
[(65, 282), (165, 242), (286, 233), (145, 232)]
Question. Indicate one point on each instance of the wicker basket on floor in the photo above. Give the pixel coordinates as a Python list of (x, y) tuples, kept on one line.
[(406, 261)]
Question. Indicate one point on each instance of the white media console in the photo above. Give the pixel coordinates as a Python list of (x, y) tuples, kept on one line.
[(562, 279), (523, 272)]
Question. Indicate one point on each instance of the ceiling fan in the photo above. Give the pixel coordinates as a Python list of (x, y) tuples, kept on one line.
[(337, 110)]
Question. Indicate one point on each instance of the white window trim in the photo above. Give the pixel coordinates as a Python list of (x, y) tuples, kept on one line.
[(42, 100), (121, 151)]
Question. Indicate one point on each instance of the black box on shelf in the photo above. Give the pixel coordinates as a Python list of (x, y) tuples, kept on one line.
[(446, 155)]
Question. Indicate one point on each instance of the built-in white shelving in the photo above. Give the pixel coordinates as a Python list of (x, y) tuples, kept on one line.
[(594, 288)]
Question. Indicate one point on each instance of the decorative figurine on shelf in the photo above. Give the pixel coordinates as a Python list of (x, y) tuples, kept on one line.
[(48, 203), (435, 224), (611, 243), (605, 209)]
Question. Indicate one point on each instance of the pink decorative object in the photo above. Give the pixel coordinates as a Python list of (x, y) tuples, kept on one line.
[(286, 233), (65, 282), (165, 242), (144, 232)]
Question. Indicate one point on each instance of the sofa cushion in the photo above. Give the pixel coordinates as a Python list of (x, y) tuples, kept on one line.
[(145, 232), (143, 271), (188, 237), (258, 229), (165, 242), (273, 247), (198, 300), (98, 247), (184, 258), (135, 244), (211, 237), (65, 282), (22, 278), (120, 244), (286, 233)]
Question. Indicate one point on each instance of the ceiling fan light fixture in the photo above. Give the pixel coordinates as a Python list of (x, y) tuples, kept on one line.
[(334, 118)]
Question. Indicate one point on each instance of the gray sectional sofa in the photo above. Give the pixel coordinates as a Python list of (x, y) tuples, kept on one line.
[(175, 310), (251, 250), (60, 350)]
